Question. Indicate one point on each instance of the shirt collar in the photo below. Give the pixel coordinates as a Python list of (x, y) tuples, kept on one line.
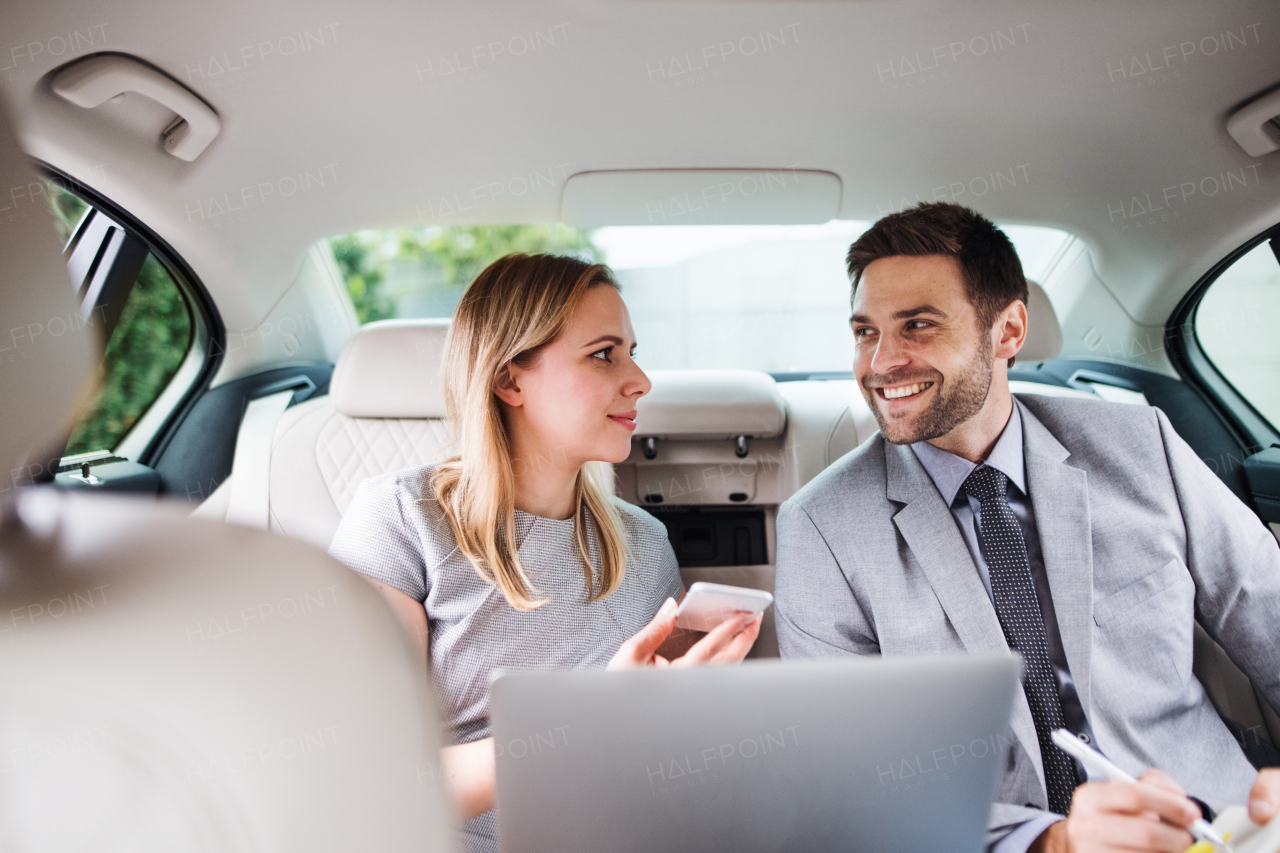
[(949, 471)]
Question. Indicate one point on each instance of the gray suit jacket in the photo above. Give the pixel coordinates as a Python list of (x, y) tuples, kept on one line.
[(1139, 539)]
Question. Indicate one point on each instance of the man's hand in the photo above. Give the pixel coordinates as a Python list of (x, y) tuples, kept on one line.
[(1107, 816), (1264, 797), (1118, 816)]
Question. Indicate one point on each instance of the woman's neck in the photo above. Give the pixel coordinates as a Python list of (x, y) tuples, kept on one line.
[(544, 484)]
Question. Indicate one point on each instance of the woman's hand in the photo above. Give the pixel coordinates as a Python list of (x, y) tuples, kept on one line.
[(728, 642)]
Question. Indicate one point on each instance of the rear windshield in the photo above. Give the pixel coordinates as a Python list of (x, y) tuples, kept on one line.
[(765, 297)]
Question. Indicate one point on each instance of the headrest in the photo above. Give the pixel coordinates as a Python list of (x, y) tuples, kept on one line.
[(52, 352), (391, 369), (1044, 335), (711, 404)]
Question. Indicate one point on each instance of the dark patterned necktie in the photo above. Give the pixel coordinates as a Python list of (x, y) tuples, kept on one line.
[(1018, 609)]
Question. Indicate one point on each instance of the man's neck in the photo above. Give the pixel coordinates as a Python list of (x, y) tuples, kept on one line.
[(974, 439)]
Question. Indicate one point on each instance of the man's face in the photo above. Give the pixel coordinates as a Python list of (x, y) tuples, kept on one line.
[(920, 358)]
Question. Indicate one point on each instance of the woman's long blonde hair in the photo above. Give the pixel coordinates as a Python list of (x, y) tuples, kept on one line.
[(515, 307)]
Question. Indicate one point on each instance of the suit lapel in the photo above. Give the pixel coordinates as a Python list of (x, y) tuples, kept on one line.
[(930, 530), (1060, 499)]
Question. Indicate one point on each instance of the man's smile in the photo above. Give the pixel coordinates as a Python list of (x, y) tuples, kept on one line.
[(902, 392)]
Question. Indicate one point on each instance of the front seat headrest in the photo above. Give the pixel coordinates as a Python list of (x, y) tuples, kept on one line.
[(711, 404), (1044, 335), (391, 369), (47, 351)]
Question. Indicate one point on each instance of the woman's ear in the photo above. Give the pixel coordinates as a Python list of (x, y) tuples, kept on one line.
[(506, 386)]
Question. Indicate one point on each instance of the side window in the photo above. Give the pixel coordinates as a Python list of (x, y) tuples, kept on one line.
[(68, 211), (146, 348), (144, 317), (1235, 326)]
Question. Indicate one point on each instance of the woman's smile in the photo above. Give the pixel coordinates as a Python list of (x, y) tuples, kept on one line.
[(626, 419)]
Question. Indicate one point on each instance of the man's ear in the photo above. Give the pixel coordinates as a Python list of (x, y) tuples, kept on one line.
[(507, 386), (1011, 330)]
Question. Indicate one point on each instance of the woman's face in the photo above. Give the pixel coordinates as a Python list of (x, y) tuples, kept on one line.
[(577, 402)]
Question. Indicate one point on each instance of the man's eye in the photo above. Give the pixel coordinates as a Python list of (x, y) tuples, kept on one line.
[(916, 325), (862, 333)]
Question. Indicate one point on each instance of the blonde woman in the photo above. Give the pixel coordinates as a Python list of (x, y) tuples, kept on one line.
[(514, 552)]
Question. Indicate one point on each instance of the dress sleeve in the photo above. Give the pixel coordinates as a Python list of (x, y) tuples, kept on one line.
[(669, 583), (376, 540)]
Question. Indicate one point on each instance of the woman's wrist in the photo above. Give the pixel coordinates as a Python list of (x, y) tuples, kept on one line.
[(470, 776)]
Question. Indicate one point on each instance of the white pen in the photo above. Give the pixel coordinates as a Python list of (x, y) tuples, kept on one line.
[(1096, 762)]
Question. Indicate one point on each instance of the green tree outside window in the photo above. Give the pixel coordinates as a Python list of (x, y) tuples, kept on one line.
[(423, 272), (67, 210), (145, 350)]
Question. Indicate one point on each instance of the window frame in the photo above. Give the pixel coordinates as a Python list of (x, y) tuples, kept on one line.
[(150, 434), (1251, 428)]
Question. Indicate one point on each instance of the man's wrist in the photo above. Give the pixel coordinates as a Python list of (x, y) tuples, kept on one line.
[(1053, 840)]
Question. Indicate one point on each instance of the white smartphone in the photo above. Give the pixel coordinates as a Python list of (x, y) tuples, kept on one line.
[(706, 605)]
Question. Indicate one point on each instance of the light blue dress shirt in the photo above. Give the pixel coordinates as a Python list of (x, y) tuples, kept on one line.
[(948, 472)]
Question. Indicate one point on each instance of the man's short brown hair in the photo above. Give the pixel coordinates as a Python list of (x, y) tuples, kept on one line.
[(992, 272)]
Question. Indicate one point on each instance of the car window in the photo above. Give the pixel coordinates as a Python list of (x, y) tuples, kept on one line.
[(767, 297), (1235, 326), (148, 343), (422, 272), (145, 350), (68, 210)]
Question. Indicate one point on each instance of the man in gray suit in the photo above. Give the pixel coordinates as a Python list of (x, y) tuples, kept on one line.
[(1085, 535)]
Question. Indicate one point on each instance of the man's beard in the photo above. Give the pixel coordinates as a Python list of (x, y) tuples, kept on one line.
[(958, 398)]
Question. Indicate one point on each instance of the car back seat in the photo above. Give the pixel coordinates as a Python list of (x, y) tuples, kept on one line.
[(384, 412)]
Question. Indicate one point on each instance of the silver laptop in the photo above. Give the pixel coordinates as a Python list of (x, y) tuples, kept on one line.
[(865, 754)]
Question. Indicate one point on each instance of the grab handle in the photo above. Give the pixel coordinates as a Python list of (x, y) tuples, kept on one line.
[(101, 77), (1254, 126)]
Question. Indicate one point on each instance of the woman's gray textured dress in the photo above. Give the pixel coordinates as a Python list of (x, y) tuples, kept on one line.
[(395, 532)]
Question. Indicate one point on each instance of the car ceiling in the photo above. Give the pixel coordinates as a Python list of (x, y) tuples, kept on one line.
[(402, 113)]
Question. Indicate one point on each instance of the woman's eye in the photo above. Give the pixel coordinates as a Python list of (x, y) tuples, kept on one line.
[(603, 354)]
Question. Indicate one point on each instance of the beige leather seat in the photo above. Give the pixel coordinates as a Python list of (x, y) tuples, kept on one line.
[(384, 412)]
